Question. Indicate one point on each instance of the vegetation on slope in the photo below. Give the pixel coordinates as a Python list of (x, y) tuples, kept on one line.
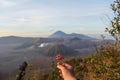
[(104, 65)]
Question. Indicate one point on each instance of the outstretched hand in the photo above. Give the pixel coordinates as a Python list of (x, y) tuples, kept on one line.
[(66, 71)]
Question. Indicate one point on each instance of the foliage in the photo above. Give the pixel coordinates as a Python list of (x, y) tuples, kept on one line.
[(114, 30), (104, 65)]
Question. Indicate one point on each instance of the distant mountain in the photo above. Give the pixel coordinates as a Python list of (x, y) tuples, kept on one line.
[(59, 48), (60, 34), (99, 36), (77, 43), (14, 39)]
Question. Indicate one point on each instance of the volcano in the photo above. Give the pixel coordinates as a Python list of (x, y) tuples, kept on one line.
[(61, 34)]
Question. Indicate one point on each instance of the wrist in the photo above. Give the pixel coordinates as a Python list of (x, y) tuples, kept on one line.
[(73, 78), (70, 78)]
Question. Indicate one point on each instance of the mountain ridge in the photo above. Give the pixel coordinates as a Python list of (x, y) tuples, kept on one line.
[(14, 39), (61, 34)]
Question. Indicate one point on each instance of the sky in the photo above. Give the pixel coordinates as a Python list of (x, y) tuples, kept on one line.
[(38, 18)]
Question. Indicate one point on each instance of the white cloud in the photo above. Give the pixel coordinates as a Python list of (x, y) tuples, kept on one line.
[(10, 3), (6, 3), (22, 19)]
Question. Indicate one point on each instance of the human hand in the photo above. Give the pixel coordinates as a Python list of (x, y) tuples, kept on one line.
[(66, 71)]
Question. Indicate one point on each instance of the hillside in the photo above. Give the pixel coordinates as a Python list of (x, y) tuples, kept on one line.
[(102, 66)]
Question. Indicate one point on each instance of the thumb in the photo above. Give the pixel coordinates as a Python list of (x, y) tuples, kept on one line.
[(61, 67)]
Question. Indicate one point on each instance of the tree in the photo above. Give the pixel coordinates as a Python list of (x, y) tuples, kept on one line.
[(114, 28)]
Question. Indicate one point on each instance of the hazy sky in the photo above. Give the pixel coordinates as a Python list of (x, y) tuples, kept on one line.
[(43, 17)]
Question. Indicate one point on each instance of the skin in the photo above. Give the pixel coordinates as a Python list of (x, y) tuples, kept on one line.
[(66, 71)]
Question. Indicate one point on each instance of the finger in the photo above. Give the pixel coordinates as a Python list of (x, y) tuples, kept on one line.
[(67, 65), (61, 67), (60, 63), (60, 71), (64, 64), (61, 75)]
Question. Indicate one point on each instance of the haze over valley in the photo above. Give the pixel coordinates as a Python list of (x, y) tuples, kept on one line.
[(14, 50)]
